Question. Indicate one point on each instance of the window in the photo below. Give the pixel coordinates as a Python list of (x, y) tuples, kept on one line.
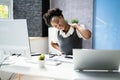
[(4, 11)]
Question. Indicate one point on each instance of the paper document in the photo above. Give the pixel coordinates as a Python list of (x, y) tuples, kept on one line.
[(61, 59)]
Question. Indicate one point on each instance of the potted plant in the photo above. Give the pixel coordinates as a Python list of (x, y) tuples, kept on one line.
[(42, 60), (75, 21)]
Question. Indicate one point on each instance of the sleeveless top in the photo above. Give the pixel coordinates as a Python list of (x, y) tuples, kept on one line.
[(68, 43)]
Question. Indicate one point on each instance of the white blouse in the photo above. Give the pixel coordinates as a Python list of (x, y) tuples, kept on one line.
[(65, 35)]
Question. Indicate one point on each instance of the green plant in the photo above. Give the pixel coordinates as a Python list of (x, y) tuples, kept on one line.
[(75, 21), (42, 57)]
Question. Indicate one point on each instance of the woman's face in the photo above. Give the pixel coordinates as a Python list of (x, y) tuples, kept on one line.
[(58, 22)]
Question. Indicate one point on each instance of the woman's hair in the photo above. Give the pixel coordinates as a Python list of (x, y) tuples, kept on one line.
[(50, 14)]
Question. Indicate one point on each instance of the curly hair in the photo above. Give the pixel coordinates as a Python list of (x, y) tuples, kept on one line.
[(50, 14)]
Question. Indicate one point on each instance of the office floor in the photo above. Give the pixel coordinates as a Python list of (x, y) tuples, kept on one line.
[(8, 76), (11, 76), (24, 77)]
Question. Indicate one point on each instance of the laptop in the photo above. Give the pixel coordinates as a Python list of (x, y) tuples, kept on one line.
[(90, 59)]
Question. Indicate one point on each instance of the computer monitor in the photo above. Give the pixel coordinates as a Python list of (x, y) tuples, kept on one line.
[(91, 59), (14, 37)]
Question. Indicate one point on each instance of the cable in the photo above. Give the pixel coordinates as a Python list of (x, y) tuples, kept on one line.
[(12, 76), (3, 61), (7, 58)]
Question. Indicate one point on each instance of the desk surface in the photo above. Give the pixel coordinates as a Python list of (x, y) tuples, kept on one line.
[(63, 71)]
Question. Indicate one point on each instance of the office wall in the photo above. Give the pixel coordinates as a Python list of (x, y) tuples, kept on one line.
[(106, 24), (32, 10), (77, 9)]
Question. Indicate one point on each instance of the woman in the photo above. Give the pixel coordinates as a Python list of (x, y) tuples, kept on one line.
[(68, 36)]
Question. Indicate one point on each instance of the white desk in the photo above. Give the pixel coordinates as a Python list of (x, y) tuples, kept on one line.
[(61, 72)]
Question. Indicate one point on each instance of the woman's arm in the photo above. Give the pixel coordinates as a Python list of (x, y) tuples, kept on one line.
[(55, 45), (85, 33)]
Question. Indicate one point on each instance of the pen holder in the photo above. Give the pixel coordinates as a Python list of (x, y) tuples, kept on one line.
[(42, 63), (41, 59)]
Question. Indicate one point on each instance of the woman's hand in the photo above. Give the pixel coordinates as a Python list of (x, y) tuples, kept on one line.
[(75, 25), (86, 34)]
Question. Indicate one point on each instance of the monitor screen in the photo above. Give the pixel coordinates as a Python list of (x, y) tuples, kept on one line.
[(14, 37)]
